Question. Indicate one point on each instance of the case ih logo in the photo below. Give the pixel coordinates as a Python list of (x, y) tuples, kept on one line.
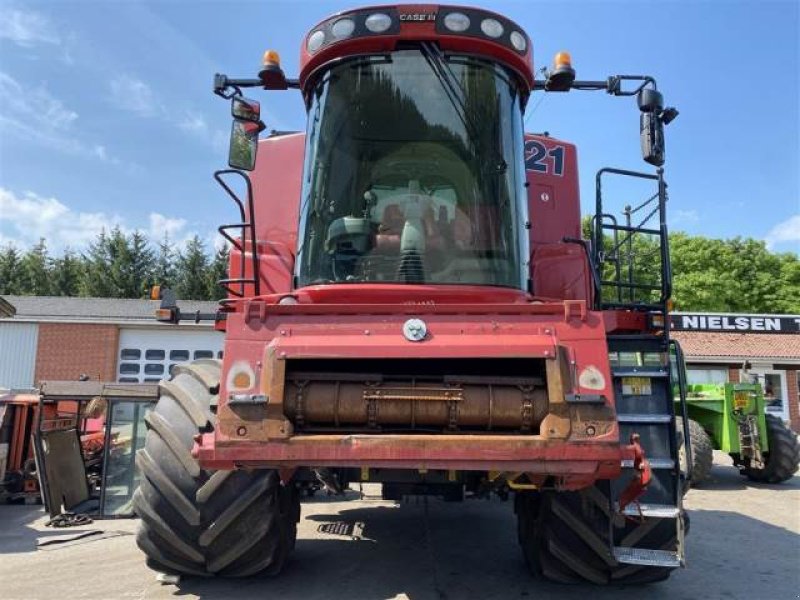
[(733, 323), (417, 16)]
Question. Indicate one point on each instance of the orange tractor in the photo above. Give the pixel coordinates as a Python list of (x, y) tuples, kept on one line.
[(412, 302)]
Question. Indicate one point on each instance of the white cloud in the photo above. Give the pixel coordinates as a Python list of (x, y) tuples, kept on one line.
[(35, 115), (27, 217), (34, 105), (134, 95), (27, 28), (193, 123), (161, 225), (785, 232)]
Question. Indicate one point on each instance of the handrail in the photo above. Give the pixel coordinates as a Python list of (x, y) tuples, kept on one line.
[(622, 243), (687, 445), (245, 226)]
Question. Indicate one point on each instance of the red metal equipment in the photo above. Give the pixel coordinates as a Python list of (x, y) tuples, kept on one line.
[(411, 302)]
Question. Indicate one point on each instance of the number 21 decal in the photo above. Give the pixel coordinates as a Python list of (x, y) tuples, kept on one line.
[(537, 158)]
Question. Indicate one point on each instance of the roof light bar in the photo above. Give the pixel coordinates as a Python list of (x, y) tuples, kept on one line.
[(482, 24)]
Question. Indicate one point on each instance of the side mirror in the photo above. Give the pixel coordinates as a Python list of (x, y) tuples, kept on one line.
[(244, 144), (651, 127), (651, 131), (246, 109)]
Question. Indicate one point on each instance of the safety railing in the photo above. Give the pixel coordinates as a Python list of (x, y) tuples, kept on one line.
[(624, 252), (246, 229)]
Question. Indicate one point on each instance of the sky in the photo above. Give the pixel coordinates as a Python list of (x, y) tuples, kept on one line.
[(107, 116)]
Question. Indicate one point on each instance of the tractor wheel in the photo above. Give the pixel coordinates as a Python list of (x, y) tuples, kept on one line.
[(201, 522), (781, 462), (564, 538), (702, 450)]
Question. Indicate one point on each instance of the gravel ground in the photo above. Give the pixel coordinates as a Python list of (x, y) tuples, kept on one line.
[(744, 543)]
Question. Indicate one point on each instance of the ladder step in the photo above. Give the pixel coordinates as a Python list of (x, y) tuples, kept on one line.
[(637, 372), (655, 463), (655, 511), (644, 556), (643, 418)]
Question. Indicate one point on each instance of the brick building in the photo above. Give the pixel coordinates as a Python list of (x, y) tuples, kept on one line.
[(106, 339)]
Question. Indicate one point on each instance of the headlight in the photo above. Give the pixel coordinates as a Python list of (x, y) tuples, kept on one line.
[(492, 27), (315, 41), (456, 21), (378, 22), (518, 41), (343, 28)]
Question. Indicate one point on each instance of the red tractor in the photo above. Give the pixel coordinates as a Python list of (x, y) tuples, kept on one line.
[(412, 302)]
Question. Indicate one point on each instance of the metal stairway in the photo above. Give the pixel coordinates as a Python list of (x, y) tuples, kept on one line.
[(644, 402)]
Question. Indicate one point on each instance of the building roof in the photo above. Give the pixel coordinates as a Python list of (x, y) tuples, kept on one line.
[(732, 345), (97, 310), (6, 308)]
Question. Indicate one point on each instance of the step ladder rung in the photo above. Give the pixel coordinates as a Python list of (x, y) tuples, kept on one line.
[(636, 372), (655, 511), (643, 418), (655, 463), (647, 557)]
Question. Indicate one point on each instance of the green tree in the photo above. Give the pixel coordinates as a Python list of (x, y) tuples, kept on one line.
[(96, 277), (139, 267), (10, 271), (192, 271), (165, 268), (218, 269), (35, 277), (66, 274)]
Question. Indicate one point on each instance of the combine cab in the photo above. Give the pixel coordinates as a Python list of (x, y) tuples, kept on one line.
[(412, 303)]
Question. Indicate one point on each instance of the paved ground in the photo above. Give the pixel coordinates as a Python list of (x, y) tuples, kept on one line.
[(745, 543)]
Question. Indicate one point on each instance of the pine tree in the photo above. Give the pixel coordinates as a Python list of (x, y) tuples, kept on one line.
[(192, 276), (139, 268), (165, 270), (66, 274), (216, 271), (35, 271), (96, 277), (10, 271)]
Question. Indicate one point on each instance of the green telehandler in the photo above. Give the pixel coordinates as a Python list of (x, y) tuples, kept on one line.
[(732, 417)]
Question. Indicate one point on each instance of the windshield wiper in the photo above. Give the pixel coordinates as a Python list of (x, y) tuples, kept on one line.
[(456, 94)]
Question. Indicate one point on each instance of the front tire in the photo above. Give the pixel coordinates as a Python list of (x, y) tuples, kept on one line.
[(564, 538), (781, 462), (702, 450), (202, 522)]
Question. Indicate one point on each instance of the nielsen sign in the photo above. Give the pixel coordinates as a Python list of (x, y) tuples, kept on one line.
[(736, 323)]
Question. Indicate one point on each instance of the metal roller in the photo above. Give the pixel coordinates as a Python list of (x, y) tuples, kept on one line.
[(481, 403)]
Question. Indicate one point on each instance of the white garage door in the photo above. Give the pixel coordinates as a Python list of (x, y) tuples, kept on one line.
[(18, 354), (149, 355)]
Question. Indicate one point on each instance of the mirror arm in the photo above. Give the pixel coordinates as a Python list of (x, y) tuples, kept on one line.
[(228, 88), (612, 85)]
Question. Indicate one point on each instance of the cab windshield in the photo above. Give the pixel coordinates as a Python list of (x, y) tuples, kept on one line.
[(414, 174)]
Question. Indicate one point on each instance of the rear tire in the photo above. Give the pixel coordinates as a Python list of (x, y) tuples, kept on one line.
[(202, 522), (781, 462), (564, 538), (702, 450)]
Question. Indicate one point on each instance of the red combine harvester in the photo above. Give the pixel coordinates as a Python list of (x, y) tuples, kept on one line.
[(412, 303)]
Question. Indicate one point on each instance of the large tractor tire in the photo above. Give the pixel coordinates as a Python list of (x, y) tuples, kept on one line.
[(781, 462), (564, 538), (200, 522), (702, 448)]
